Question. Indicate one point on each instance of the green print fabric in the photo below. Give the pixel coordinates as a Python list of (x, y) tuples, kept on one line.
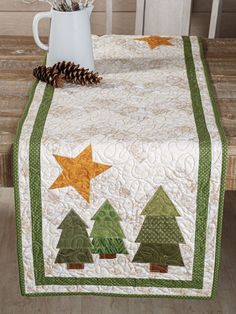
[(160, 233), (160, 205), (73, 238), (162, 254), (160, 230), (68, 256), (74, 244), (107, 233), (106, 213), (73, 220), (108, 246), (107, 229)]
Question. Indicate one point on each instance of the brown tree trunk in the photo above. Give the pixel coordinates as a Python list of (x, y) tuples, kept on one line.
[(75, 266), (156, 268), (107, 256)]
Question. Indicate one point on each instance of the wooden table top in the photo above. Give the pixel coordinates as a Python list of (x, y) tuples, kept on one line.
[(19, 55)]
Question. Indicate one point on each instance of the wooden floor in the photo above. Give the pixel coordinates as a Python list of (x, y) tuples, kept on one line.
[(12, 303)]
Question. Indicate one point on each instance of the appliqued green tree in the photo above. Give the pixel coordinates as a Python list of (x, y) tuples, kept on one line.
[(107, 233), (74, 244), (160, 235)]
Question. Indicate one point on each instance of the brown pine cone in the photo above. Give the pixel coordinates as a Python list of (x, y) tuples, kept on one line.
[(75, 74), (49, 76)]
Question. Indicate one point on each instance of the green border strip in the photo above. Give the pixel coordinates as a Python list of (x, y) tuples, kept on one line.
[(187, 45), (35, 178), (224, 166), (16, 186)]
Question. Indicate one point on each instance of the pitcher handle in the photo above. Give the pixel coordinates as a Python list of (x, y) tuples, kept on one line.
[(37, 18)]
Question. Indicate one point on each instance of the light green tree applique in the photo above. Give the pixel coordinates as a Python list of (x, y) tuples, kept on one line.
[(74, 244), (107, 233), (160, 235)]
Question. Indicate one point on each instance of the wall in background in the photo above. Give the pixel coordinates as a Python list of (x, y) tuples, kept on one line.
[(16, 17)]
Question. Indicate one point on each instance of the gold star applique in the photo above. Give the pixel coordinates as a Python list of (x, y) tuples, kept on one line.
[(78, 172), (155, 41)]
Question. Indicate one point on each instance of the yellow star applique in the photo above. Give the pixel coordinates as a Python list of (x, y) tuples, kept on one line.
[(78, 172), (155, 41)]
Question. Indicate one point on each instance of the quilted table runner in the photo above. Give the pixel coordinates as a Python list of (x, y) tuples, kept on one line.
[(119, 187)]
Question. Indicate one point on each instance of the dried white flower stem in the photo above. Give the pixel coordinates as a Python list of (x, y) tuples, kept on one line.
[(66, 5)]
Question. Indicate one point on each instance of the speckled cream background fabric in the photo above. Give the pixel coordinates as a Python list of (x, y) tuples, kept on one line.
[(140, 121)]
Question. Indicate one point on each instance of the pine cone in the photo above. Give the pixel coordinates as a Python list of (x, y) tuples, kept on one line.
[(75, 74), (49, 76)]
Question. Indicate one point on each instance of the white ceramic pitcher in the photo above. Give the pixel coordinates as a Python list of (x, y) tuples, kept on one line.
[(70, 37)]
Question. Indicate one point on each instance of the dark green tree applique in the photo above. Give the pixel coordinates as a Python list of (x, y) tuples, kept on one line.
[(74, 244), (107, 233), (160, 235)]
